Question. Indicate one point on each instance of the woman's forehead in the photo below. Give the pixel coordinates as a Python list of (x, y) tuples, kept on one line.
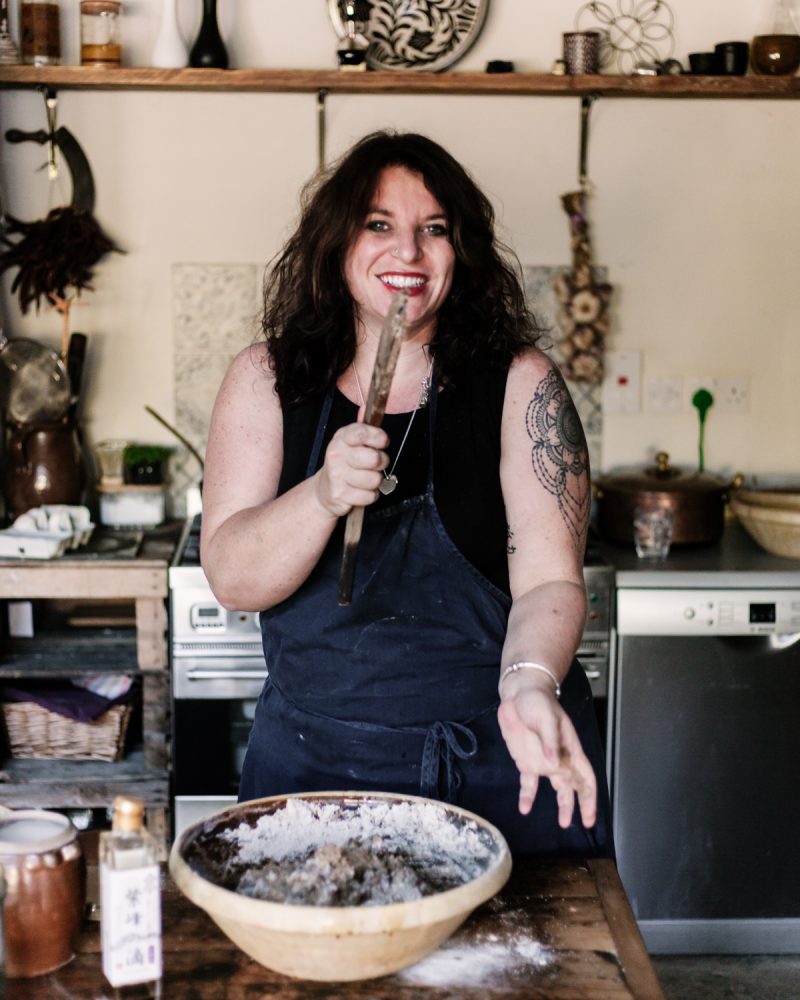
[(397, 185)]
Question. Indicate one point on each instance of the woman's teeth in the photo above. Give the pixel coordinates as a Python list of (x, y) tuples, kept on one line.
[(402, 281)]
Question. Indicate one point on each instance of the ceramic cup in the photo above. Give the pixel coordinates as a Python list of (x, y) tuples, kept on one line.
[(703, 63), (733, 58), (45, 884), (652, 532), (582, 51)]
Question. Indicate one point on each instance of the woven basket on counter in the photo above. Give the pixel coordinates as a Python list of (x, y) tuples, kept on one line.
[(36, 733)]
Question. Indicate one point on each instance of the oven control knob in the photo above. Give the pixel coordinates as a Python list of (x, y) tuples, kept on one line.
[(689, 613)]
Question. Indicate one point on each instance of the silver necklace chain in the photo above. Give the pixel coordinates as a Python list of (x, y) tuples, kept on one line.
[(389, 484)]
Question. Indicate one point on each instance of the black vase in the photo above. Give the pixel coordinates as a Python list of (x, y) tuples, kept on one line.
[(209, 50)]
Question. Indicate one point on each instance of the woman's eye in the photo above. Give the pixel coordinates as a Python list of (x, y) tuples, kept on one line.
[(437, 229), (377, 226)]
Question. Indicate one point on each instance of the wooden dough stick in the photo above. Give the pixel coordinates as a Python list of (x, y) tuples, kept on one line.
[(392, 333)]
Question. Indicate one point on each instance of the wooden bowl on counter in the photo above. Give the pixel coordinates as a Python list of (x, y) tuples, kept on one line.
[(776, 527), (338, 943), (779, 498)]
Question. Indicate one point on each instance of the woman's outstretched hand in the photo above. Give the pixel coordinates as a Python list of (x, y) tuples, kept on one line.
[(543, 743), (353, 468)]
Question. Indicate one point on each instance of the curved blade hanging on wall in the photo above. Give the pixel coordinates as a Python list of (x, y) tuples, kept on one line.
[(56, 254), (75, 158)]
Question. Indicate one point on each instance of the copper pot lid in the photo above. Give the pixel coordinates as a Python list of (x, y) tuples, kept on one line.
[(663, 478)]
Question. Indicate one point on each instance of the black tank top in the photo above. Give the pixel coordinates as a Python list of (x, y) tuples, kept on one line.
[(466, 461)]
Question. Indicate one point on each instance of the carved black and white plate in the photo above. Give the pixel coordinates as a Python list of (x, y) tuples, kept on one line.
[(417, 34)]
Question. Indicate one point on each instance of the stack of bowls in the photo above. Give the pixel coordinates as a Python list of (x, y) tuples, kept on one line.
[(772, 517)]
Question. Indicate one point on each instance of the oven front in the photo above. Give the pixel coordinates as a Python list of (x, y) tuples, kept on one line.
[(218, 671)]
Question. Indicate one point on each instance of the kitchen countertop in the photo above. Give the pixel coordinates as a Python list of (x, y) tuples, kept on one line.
[(734, 561), (558, 929)]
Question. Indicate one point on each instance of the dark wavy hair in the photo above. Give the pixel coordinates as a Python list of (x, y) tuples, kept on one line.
[(309, 319)]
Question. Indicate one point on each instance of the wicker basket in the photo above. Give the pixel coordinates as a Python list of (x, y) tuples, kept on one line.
[(775, 529), (36, 733)]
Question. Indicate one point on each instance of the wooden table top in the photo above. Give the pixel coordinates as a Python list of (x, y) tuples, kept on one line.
[(560, 930)]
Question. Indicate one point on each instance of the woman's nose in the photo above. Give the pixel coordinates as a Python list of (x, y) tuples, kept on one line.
[(408, 246)]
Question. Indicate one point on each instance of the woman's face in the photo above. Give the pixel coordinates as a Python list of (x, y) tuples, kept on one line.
[(403, 243)]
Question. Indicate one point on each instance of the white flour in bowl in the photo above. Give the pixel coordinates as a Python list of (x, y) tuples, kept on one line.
[(356, 853)]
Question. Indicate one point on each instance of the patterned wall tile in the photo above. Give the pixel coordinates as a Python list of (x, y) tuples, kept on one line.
[(215, 314), (538, 280)]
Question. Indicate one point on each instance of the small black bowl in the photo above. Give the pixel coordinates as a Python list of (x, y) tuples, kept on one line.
[(733, 58), (703, 63)]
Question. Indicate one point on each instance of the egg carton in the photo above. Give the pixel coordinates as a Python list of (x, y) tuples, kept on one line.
[(46, 532)]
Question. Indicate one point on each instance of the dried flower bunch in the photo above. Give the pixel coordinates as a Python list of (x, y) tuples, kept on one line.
[(583, 316), (54, 254)]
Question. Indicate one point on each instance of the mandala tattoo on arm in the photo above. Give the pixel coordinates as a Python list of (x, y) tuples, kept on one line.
[(560, 455)]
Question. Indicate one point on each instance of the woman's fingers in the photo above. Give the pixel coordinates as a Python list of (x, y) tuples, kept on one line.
[(353, 468), (582, 776), (544, 743), (528, 786)]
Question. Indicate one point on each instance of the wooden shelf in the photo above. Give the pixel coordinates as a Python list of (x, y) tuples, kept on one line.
[(80, 784), (409, 82), (88, 651)]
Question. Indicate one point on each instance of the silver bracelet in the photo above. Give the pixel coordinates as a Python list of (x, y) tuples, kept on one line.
[(527, 665)]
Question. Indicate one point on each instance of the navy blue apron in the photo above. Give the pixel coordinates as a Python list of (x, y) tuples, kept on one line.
[(398, 691)]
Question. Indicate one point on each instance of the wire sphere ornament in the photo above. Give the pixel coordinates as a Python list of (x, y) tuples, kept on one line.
[(638, 31)]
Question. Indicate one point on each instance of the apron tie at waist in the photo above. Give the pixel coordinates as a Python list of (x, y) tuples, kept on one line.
[(442, 746)]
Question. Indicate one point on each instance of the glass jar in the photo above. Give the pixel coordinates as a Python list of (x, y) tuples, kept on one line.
[(100, 40), (40, 32), (776, 50)]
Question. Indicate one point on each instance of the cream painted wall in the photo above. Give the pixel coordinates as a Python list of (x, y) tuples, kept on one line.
[(695, 209)]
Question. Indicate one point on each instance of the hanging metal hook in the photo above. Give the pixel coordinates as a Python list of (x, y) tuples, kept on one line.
[(586, 109), (51, 111), (322, 94)]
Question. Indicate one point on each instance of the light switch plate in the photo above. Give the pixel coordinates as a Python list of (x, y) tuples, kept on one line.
[(622, 383), (663, 393)]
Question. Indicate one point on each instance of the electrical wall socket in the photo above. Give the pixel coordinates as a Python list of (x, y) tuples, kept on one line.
[(731, 392), (622, 382), (663, 394)]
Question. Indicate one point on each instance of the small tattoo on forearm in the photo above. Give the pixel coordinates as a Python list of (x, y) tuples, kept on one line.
[(510, 546), (560, 455)]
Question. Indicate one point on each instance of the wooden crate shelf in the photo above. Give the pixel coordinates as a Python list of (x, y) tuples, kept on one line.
[(139, 649)]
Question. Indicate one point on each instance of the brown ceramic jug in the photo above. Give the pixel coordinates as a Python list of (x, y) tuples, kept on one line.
[(43, 465), (45, 887)]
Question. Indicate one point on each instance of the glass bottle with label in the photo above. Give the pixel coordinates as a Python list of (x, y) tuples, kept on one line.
[(40, 32), (130, 904), (100, 44)]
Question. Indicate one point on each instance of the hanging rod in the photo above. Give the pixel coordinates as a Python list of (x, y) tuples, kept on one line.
[(583, 157), (322, 95)]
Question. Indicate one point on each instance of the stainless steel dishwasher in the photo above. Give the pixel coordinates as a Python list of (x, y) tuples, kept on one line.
[(706, 766)]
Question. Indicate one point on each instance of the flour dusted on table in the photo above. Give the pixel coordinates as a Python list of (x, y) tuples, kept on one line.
[(480, 959)]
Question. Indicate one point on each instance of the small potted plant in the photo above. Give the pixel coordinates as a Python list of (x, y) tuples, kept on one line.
[(143, 464)]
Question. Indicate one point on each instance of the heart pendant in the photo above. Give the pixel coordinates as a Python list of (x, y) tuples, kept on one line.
[(389, 485)]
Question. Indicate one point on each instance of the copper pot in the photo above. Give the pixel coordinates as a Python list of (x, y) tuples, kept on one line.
[(695, 499)]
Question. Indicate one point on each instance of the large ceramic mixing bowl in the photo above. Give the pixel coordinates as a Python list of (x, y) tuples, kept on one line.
[(339, 943)]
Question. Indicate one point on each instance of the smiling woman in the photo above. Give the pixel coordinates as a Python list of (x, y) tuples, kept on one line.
[(397, 690), (404, 244)]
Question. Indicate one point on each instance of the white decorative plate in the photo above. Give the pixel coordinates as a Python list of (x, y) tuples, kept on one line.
[(417, 34)]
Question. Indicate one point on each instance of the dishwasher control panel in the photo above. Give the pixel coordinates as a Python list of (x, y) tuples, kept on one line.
[(690, 611)]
